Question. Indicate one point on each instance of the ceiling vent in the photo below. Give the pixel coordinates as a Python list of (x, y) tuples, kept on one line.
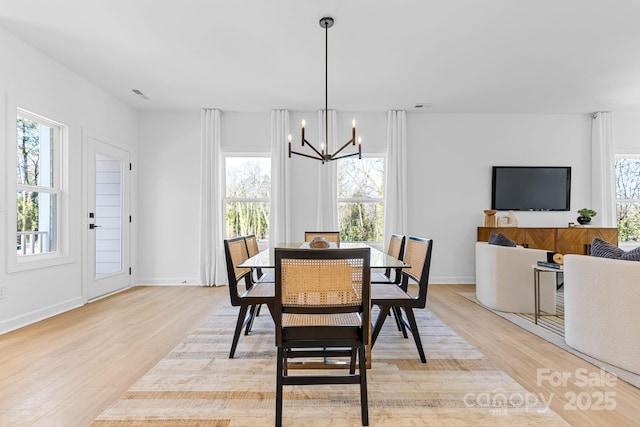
[(140, 94)]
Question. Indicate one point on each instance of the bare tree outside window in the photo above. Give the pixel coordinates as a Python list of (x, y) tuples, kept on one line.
[(360, 199), (248, 188), (628, 198), (37, 190)]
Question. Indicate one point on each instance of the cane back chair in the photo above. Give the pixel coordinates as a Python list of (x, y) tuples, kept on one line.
[(395, 249), (387, 298), (330, 236), (322, 310), (247, 294)]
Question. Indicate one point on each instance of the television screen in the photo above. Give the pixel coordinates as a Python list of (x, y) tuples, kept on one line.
[(531, 188)]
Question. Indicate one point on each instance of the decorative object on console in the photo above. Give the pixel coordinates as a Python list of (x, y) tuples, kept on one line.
[(508, 220), (555, 257), (324, 155), (319, 242), (585, 215), (602, 249), (501, 240), (490, 217)]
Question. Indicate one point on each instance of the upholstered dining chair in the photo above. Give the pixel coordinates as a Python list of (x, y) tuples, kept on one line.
[(243, 292), (418, 255), (395, 249), (321, 310), (330, 236)]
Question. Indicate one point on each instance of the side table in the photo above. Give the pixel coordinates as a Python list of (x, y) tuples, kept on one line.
[(537, 269)]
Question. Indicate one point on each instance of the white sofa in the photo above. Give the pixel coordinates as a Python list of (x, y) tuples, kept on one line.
[(505, 279), (602, 309)]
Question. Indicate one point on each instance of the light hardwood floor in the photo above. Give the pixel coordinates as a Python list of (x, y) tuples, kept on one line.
[(66, 370)]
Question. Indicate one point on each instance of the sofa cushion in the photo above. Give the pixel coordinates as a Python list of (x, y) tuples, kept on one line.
[(632, 255), (501, 240), (602, 249)]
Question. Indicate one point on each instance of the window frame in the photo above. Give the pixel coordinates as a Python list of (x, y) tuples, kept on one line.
[(382, 156), (59, 188), (625, 155), (225, 200)]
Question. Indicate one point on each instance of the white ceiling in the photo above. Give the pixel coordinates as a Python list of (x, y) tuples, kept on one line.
[(465, 56)]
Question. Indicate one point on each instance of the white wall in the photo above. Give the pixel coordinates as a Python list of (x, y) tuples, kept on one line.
[(626, 132), (35, 82), (169, 189), (449, 169)]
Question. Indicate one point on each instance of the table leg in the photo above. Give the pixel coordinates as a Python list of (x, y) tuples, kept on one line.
[(536, 293)]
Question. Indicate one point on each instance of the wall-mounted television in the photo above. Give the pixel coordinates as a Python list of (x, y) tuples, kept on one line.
[(531, 188)]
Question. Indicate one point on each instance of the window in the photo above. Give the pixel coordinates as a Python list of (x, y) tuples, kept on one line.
[(38, 184), (247, 196), (628, 198), (360, 199)]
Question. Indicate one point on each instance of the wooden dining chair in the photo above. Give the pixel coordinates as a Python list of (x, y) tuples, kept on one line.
[(418, 256), (321, 310), (252, 247), (243, 291), (260, 276), (330, 236), (395, 249)]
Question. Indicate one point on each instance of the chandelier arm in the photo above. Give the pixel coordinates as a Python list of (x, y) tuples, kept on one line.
[(342, 148), (307, 155), (347, 155), (314, 149)]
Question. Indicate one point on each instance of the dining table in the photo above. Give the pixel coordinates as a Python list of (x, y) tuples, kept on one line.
[(378, 259)]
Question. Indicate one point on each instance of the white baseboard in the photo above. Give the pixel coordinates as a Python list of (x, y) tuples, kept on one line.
[(172, 281), (38, 315), (453, 280)]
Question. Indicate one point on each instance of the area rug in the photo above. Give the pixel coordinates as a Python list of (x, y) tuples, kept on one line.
[(197, 385), (551, 328)]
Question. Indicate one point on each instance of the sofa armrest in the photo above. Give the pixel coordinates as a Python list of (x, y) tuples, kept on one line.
[(504, 279), (601, 309)]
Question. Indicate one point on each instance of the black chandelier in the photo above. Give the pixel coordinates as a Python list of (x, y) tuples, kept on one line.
[(324, 155)]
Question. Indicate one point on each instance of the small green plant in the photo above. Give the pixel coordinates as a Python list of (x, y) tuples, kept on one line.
[(589, 213)]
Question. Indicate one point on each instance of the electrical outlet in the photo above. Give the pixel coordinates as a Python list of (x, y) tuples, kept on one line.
[(3, 291)]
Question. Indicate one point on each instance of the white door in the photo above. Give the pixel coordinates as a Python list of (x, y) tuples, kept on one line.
[(107, 260)]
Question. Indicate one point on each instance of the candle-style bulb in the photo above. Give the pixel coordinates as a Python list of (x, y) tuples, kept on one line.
[(353, 123), (289, 138), (303, 123), (359, 140)]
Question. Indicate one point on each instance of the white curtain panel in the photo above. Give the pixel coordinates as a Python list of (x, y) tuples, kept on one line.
[(280, 220), (395, 186), (603, 187), (212, 267), (327, 219)]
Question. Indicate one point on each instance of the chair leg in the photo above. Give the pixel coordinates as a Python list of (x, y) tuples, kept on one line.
[(414, 330), (352, 364), (252, 316), (397, 314), (239, 324), (382, 316), (364, 401), (279, 384)]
